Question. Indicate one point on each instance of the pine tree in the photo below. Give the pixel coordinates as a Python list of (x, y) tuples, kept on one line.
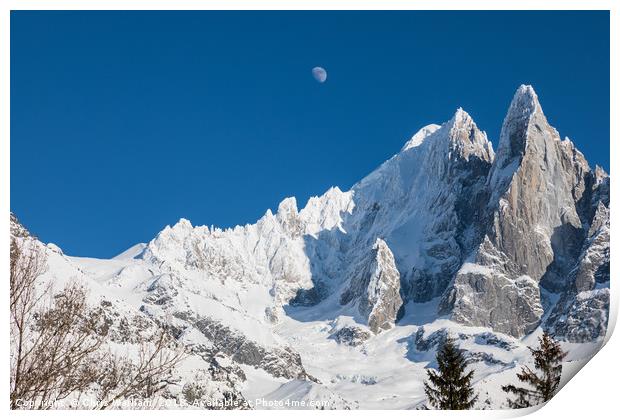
[(450, 388), (548, 360)]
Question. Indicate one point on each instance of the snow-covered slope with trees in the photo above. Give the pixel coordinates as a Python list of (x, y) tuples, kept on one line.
[(347, 298)]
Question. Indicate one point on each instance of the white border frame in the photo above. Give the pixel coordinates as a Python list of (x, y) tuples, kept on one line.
[(592, 394)]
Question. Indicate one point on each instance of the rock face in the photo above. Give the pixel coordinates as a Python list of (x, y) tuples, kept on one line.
[(432, 341), (482, 296), (210, 334), (536, 224), (279, 362), (376, 289), (581, 315), (537, 183)]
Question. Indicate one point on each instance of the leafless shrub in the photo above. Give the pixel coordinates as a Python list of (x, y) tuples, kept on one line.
[(59, 360), (153, 372), (57, 339)]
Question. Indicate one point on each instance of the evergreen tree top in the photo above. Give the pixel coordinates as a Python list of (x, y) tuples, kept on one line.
[(542, 384), (450, 387)]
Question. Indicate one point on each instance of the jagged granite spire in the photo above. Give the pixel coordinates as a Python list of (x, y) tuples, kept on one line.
[(534, 228), (467, 139), (523, 110)]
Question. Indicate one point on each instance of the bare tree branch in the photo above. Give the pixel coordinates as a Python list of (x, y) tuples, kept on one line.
[(57, 345)]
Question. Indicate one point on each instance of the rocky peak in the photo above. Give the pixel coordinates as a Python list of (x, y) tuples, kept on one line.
[(183, 225), (287, 207), (524, 103), (466, 139), (523, 107), (375, 287), (459, 137), (537, 182), (600, 173), (327, 211), (289, 217), (514, 135)]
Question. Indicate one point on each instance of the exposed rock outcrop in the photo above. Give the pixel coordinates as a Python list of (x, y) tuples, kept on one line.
[(581, 314), (376, 289), (351, 336), (280, 362)]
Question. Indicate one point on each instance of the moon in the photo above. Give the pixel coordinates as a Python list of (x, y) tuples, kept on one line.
[(319, 74)]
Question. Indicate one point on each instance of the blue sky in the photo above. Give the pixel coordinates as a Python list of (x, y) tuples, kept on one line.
[(123, 122)]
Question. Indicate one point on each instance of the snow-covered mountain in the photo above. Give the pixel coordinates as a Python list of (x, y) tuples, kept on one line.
[(347, 298)]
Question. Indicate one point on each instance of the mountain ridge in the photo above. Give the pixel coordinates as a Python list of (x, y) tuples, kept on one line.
[(446, 236)]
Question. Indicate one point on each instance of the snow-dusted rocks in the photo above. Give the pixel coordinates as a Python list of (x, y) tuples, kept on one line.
[(351, 336), (484, 296), (375, 288), (219, 338), (581, 315)]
